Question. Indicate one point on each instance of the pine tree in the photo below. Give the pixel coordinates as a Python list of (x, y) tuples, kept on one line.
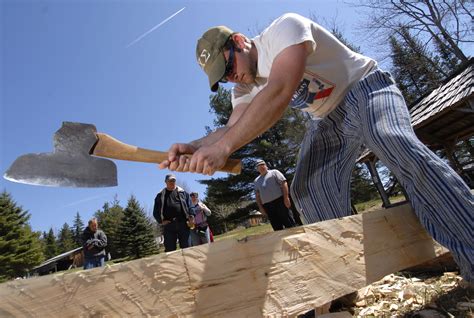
[(65, 239), (20, 247), (109, 219), (415, 69), (136, 232), (362, 187), (77, 229), (50, 245), (447, 59)]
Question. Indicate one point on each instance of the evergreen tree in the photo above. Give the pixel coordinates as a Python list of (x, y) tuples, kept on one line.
[(77, 229), (136, 232), (109, 219), (50, 245), (415, 69), (362, 187), (65, 239), (20, 247), (446, 58)]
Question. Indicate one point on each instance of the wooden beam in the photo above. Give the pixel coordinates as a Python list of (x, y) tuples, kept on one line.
[(281, 273)]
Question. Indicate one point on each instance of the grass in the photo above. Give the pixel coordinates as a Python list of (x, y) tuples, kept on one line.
[(376, 204), (242, 232)]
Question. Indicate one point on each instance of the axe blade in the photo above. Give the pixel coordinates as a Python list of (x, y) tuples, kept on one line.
[(69, 165), (60, 170)]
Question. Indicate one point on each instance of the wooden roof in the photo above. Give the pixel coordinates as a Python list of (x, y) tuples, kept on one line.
[(445, 115), (56, 258)]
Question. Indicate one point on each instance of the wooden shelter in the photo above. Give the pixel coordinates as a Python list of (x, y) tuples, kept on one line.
[(70, 259), (255, 218), (440, 119)]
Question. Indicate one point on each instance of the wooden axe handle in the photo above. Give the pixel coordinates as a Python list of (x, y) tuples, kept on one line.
[(110, 147)]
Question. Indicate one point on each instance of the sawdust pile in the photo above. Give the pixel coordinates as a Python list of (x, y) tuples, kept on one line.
[(445, 295)]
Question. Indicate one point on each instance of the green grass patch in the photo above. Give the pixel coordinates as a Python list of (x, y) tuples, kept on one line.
[(376, 204), (241, 232)]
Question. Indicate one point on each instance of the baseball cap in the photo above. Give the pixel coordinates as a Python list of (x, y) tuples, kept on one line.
[(209, 53), (170, 177), (260, 162)]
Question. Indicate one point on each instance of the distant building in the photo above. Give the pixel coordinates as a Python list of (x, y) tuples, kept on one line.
[(255, 218), (71, 259)]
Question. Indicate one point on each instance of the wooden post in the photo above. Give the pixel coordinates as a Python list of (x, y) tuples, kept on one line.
[(378, 184), (282, 273), (449, 148)]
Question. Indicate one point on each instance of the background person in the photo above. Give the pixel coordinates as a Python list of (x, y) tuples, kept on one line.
[(271, 192), (201, 232), (94, 243), (172, 210)]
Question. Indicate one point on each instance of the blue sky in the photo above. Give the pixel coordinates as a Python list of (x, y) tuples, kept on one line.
[(77, 61)]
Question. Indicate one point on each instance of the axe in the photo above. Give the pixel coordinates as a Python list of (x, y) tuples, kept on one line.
[(71, 164)]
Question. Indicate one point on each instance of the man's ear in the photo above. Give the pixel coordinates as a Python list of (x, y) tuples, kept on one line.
[(239, 40)]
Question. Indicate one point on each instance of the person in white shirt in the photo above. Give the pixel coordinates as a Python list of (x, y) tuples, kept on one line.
[(272, 196), (296, 62)]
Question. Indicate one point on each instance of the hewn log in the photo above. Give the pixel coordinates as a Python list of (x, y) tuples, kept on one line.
[(277, 274)]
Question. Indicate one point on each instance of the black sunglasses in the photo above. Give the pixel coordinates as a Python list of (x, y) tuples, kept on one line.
[(229, 66)]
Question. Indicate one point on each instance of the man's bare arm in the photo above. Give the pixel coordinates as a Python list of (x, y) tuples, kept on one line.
[(219, 132), (174, 162), (259, 202), (286, 194)]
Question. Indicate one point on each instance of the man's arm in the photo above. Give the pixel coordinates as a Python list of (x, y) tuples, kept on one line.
[(189, 204), (157, 208), (101, 242), (206, 210), (219, 132), (286, 194), (86, 240), (259, 202), (265, 109), (175, 162)]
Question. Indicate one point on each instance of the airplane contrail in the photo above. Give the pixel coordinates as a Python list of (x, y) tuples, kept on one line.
[(154, 28), (84, 200)]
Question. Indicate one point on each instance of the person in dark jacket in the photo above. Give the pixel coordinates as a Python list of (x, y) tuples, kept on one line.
[(173, 211), (94, 242)]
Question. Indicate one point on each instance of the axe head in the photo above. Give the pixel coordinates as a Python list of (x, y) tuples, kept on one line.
[(69, 165)]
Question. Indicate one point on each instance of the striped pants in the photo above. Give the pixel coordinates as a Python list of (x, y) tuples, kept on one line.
[(374, 113)]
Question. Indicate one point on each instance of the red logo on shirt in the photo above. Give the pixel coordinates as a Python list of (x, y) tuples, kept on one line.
[(311, 88)]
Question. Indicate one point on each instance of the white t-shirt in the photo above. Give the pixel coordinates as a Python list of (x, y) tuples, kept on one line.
[(331, 69)]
